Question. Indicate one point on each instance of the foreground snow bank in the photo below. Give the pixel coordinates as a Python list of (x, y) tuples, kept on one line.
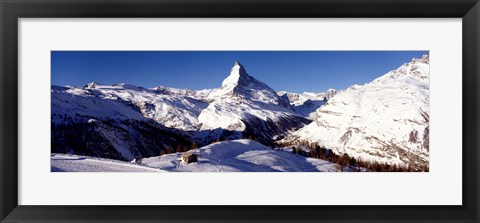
[(241, 155), (75, 163)]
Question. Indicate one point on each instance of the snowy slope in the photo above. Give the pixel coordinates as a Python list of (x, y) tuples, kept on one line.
[(202, 95), (73, 101), (241, 155), (300, 98), (75, 163), (386, 120)]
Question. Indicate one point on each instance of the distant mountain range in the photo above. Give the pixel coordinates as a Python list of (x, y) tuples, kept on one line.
[(386, 120)]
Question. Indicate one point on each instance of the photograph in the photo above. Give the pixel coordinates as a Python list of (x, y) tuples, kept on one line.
[(240, 111)]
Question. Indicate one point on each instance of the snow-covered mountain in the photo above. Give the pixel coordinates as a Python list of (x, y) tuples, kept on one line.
[(307, 103), (386, 120), (245, 104)]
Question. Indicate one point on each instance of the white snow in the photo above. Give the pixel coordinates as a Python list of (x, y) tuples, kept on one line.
[(76, 163)]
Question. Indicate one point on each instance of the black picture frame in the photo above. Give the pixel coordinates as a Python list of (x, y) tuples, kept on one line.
[(12, 10)]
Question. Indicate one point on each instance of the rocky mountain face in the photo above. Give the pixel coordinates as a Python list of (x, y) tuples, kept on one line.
[(386, 120)]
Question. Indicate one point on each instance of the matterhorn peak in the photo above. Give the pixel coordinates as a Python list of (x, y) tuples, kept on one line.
[(237, 63), (240, 84), (238, 76)]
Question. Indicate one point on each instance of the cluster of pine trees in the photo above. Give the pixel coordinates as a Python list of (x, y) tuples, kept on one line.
[(347, 162)]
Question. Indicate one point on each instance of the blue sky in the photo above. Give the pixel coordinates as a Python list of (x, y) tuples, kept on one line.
[(294, 71)]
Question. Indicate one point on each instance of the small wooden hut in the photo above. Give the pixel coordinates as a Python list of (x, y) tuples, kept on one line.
[(189, 157)]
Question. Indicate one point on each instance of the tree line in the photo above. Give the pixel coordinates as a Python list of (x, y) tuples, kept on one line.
[(347, 162)]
